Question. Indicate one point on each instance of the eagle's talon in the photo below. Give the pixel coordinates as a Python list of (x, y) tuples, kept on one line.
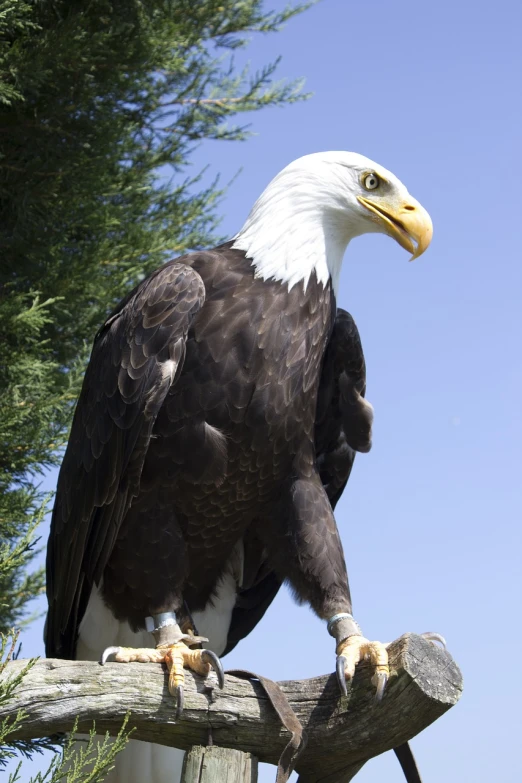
[(430, 636), (382, 681), (340, 670), (212, 659), (107, 653), (180, 701)]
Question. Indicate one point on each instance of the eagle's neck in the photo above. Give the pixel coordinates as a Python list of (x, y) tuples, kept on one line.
[(295, 229)]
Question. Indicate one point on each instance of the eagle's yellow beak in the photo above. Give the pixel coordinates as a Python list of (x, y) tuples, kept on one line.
[(407, 222)]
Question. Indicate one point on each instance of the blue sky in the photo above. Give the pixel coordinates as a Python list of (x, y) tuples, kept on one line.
[(431, 518)]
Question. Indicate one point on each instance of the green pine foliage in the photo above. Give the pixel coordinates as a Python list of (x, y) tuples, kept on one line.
[(80, 761), (102, 103), (8, 684)]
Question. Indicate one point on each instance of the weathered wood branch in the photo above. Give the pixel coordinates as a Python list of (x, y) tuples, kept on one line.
[(343, 733)]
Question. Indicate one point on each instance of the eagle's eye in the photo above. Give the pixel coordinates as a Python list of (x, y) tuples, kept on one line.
[(371, 181)]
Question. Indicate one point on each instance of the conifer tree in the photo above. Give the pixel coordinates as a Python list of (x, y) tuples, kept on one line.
[(101, 104)]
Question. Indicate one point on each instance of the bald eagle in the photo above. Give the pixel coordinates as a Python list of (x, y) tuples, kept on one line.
[(216, 429)]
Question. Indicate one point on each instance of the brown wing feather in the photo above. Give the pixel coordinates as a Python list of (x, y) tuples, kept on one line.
[(343, 419), (136, 357)]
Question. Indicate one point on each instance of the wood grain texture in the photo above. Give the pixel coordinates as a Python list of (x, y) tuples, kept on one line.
[(218, 765), (343, 733)]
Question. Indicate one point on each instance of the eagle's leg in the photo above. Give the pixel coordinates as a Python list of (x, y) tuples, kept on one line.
[(307, 550), (174, 649)]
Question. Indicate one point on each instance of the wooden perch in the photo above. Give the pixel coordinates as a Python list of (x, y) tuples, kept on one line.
[(343, 733)]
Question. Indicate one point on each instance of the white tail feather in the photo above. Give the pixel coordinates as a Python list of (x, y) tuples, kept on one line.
[(144, 762)]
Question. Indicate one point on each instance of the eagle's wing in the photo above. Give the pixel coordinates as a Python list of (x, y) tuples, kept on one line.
[(344, 419), (343, 427), (137, 356)]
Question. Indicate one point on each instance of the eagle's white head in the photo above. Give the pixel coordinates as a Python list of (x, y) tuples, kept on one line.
[(311, 210)]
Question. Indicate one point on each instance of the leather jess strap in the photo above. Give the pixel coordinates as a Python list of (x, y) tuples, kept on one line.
[(408, 763), (288, 718)]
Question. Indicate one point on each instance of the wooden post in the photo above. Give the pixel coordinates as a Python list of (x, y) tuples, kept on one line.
[(213, 764)]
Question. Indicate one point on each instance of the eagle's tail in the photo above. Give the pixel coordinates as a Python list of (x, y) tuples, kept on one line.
[(145, 762), (140, 762)]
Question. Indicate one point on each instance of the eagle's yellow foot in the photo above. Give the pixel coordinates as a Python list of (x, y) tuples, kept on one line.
[(177, 657), (355, 649), (131, 654)]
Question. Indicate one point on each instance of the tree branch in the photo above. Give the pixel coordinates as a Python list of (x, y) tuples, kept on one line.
[(343, 733)]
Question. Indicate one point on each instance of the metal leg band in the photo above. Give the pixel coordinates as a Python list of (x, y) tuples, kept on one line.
[(342, 625)]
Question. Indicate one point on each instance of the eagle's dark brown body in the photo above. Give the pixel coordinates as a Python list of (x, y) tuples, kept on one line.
[(217, 407)]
